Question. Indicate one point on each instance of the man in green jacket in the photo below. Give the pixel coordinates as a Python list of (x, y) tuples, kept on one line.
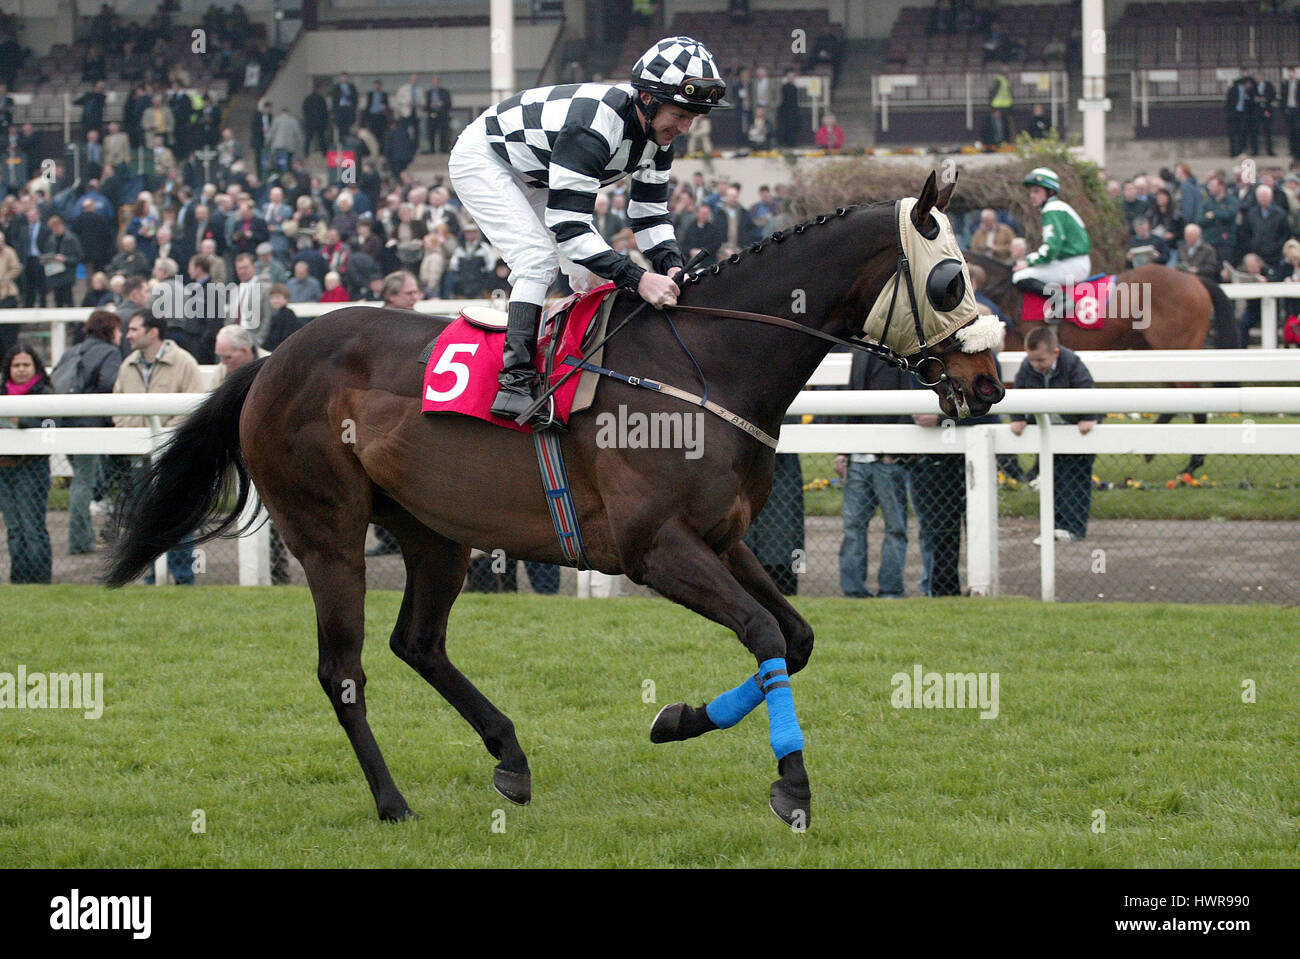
[(1064, 256)]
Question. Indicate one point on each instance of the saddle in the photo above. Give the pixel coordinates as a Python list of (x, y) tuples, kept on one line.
[(1085, 303), (461, 363)]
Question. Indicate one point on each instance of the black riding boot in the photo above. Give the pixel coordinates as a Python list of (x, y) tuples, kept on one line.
[(519, 378), (1032, 284)]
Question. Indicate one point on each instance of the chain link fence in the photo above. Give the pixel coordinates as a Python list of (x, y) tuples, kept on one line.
[(1226, 531)]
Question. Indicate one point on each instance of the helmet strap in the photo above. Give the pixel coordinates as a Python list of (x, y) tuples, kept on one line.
[(650, 109)]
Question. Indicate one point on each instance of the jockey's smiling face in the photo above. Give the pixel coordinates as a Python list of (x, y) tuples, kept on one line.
[(669, 123), (1037, 195)]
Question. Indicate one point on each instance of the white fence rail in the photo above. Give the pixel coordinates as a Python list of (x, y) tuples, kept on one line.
[(1137, 366), (61, 318), (980, 445)]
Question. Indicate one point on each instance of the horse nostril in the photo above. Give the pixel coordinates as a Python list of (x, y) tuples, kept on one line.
[(989, 388)]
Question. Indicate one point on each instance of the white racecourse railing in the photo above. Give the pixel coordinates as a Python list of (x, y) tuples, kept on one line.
[(60, 318), (979, 444)]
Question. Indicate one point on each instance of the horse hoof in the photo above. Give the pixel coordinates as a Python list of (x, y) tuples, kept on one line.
[(517, 787), (666, 727), (397, 813), (791, 797), (679, 721)]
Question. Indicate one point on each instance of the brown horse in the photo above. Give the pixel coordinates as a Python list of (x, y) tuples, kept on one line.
[(329, 428), (1151, 307)]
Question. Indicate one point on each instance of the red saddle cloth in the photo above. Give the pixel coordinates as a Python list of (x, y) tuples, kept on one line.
[(461, 376), (1087, 308)]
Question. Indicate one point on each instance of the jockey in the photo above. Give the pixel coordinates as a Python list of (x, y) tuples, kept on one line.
[(528, 170), (1063, 258)]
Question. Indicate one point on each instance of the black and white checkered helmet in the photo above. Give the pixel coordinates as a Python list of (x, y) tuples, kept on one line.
[(682, 71)]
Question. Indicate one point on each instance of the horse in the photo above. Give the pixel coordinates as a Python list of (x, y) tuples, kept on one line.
[(329, 429), (1150, 307)]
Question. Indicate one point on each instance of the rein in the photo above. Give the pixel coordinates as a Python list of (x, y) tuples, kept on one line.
[(902, 274)]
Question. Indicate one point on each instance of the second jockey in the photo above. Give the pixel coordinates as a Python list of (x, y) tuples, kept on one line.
[(528, 170), (1064, 257)]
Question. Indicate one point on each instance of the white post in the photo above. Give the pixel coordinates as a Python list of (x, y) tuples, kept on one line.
[(970, 106), (502, 44), (981, 512), (58, 340), (1094, 103), (1047, 506), (1268, 323), (255, 546)]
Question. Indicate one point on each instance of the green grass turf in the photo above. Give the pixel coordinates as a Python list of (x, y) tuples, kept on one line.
[(212, 703)]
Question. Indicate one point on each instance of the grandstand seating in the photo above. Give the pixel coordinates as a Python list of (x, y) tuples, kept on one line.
[(911, 48), (1214, 33), (49, 77), (764, 37)]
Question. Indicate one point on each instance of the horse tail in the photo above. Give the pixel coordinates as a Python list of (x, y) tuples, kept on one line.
[(187, 485), (1225, 317)]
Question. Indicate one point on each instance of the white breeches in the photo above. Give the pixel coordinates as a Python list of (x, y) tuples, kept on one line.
[(510, 213), (1074, 269)]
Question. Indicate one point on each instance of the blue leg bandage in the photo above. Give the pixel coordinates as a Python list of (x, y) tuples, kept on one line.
[(735, 704), (783, 727)]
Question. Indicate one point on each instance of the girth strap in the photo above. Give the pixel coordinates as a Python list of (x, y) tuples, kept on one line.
[(559, 498)]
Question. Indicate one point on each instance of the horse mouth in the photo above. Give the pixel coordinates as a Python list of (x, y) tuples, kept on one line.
[(963, 401)]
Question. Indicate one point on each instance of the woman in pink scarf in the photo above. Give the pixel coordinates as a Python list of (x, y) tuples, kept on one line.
[(25, 480)]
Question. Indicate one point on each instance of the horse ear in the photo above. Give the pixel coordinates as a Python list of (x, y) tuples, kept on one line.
[(946, 194), (921, 212)]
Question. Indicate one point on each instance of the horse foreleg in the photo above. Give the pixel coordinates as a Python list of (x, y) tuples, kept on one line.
[(681, 566), (751, 575), (435, 571), (1196, 460), (680, 721)]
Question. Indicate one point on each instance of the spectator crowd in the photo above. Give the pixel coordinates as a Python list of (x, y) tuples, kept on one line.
[(1241, 225)]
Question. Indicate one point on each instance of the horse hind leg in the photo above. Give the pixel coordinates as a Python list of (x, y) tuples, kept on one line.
[(435, 571), (338, 587)]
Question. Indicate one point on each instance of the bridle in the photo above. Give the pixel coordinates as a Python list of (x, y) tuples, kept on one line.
[(913, 364)]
